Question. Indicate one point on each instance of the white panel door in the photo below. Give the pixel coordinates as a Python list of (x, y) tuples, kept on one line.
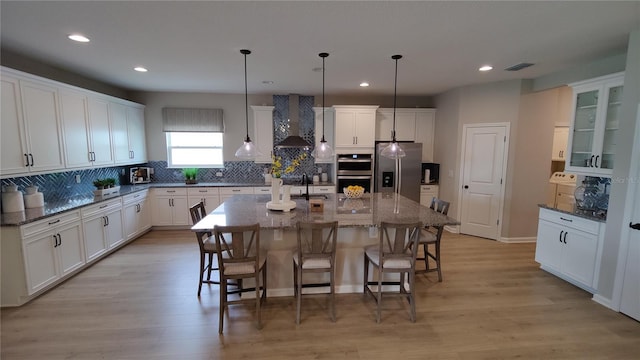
[(40, 261), (483, 168), (630, 301), (114, 229), (94, 243), (71, 248)]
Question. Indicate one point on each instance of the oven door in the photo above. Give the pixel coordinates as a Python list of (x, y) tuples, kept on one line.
[(362, 180)]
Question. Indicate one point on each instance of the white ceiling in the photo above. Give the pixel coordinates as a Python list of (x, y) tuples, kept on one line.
[(194, 46)]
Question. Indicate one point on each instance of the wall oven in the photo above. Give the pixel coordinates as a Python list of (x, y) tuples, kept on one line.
[(354, 169)]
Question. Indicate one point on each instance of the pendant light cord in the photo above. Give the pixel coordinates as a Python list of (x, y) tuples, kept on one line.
[(246, 97), (323, 56), (395, 91)]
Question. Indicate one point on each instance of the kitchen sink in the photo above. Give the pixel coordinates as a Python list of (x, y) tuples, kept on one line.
[(311, 196)]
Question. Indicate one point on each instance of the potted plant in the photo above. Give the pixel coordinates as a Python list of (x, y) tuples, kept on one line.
[(190, 175), (110, 182), (99, 184)]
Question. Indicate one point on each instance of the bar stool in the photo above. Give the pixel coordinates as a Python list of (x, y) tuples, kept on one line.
[(431, 236), (395, 253), (239, 258), (207, 245), (316, 253)]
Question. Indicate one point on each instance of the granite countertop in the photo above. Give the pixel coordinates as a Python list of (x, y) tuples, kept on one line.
[(576, 213), (370, 210), (79, 201)]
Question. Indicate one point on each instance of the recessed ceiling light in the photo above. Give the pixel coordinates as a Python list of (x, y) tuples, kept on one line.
[(140, 69), (78, 38), (364, 84), (486, 68)]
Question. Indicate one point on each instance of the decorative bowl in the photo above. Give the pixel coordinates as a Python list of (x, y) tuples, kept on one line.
[(353, 191)]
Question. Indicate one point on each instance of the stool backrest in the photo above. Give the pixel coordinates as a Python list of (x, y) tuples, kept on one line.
[(237, 244), (399, 242), (197, 212), (440, 206), (317, 239)]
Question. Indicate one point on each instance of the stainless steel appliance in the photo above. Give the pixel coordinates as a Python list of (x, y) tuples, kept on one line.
[(354, 169), (408, 169), (140, 175), (561, 189)]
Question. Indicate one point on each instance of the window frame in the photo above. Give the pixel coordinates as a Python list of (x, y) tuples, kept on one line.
[(170, 147)]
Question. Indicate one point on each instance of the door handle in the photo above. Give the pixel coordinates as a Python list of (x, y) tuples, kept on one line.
[(635, 226), (466, 186)]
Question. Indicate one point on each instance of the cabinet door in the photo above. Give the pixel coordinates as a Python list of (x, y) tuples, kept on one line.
[(425, 131), (180, 210), (73, 113), (345, 128), (584, 126), (40, 261), (144, 215), (119, 135), (71, 248), (560, 138), (365, 128), (611, 121), (114, 231), (131, 220), (549, 245), (136, 135), (328, 130), (579, 255), (12, 131), (40, 110), (384, 124), (94, 241), (162, 212), (263, 132), (99, 132)]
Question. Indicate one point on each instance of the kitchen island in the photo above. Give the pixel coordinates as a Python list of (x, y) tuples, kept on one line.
[(358, 221)]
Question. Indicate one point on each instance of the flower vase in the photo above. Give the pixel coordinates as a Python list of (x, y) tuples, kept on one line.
[(276, 184)]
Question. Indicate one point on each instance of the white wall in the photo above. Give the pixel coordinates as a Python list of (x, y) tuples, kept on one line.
[(446, 150)]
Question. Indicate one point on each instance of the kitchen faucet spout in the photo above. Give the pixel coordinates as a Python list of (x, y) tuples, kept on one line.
[(305, 181)]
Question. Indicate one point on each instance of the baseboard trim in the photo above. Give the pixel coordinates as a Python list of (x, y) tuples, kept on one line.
[(603, 301), (343, 289), (454, 229), (517, 240)]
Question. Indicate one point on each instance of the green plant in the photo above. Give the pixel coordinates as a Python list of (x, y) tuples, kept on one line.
[(110, 181), (190, 173), (98, 183)]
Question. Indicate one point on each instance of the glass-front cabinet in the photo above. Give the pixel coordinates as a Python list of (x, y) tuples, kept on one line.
[(594, 128)]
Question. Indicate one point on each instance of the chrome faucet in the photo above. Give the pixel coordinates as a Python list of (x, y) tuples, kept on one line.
[(305, 181)]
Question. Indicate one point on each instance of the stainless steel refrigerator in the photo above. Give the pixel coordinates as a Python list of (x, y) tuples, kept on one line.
[(406, 173)]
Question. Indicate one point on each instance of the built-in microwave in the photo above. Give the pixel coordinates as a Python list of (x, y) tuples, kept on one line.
[(354, 169), (140, 175)]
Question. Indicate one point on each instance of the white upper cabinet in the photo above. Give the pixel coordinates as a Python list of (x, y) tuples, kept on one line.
[(355, 127), (75, 124), (12, 130), (127, 133), (593, 133), (136, 134), (560, 139), (411, 125), (263, 134), (42, 127), (99, 132), (329, 125)]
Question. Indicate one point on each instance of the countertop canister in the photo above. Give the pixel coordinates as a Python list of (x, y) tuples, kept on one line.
[(33, 198), (12, 199)]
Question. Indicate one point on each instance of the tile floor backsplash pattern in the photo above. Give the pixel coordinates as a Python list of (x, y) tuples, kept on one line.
[(63, 186)]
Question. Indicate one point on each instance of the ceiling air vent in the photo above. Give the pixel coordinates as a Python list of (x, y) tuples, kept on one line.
[(518, 67)]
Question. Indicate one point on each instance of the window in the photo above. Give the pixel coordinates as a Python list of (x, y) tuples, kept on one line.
[(194, 149)]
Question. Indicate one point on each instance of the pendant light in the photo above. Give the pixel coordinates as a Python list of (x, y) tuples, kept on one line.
[(393, 150), (248, 149), (323, 151)]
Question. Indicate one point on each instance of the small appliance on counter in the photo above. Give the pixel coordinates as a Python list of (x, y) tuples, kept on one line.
[(140, 175), (560, 193), (430, 173)]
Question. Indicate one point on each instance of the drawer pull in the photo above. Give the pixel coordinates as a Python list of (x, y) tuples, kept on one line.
[(54, 222), (135, 196), (564, 219), (204, 191), (235, 190), (171, 191), (103, 206)]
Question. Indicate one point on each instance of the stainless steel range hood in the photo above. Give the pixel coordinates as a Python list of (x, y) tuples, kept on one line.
[(294, 140)]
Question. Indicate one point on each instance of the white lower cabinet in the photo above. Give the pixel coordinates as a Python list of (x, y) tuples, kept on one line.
[(209, 196), (137, 218), (569, 247), (318, 189), (227, 192), (170, 207), (428, 192), (52, 248), (103, 227)]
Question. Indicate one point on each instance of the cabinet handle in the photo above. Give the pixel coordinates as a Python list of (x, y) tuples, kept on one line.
[(596, 162), (171, 191), (133, 154), (563, 219), (591, 161), (94, 155), (138, 207), (107, 217), (103, 206), (560, 237), (26, 157), (565, 237), (635, 226), (235, 190), (31, 157), (54, 222), (55, 240)]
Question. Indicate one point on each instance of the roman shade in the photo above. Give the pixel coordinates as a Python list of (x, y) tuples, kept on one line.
[(192, 120)]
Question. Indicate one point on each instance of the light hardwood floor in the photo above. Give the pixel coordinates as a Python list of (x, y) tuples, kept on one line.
[(141, 303)]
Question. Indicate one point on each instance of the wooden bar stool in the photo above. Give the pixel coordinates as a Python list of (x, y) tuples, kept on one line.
[(431, 235), (207, 245), (316, 253), (239, 258), (395, 253)]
